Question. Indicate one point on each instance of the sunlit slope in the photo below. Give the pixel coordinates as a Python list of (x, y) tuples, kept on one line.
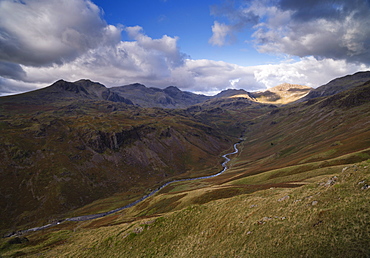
[(312, 131), (328, 217), (282, 94)]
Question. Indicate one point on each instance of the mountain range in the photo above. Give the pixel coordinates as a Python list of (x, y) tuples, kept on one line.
[(147, 97), (298, 186)]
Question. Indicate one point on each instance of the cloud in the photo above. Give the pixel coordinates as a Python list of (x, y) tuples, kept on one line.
[(11, 71), (77, 43), (219, 33), (45, 40), (223, 33), (308, 71), (213, 76), (11, 87), (145, 60), (210, 77), (324, 29), (47, 32)]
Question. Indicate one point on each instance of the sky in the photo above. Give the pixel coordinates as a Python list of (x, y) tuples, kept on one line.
[(200, 46)]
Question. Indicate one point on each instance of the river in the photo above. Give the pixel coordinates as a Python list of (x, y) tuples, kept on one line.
[(99, 215)]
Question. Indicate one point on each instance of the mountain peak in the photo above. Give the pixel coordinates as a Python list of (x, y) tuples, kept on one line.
[(289, 87), (172, 91), (282, 94), (172, 88), (230, 93)]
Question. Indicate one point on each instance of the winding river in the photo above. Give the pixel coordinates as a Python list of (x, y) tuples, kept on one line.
[(99, 215)]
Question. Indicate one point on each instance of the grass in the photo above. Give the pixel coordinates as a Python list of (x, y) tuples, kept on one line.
[(315, 221), (298, 173), (296, 188), (47, 152)]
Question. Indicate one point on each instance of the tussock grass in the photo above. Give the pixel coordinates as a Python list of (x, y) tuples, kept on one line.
[(315, 220)]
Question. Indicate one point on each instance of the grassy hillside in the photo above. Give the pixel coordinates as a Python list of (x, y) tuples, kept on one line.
[(327, 217), (298, 187), (58, 158)]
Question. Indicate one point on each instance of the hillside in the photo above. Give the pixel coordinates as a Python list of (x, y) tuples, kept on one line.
[(338, 85), (170, 97), (298, 186), (282, 94), (65, 154), (66, 91)]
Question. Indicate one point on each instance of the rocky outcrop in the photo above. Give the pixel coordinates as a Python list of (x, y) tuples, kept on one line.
[(100, 141)]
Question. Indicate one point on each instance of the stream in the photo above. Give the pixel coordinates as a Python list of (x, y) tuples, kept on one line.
[(99, 215)]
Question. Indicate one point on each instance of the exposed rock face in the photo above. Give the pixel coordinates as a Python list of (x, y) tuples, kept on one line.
[(99, 141)]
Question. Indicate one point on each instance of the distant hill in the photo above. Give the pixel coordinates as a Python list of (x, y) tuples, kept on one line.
[(142, 96), (170, 97), (282, 94), (234, 93), (62, 90), (338, 85)]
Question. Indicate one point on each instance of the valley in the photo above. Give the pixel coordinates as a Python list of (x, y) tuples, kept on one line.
[(297, 184)]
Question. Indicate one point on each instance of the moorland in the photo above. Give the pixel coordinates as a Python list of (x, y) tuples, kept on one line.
[(298, 186)]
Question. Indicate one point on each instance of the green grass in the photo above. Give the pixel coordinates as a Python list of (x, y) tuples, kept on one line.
[(301, 172), (315, 221), (294, 190)]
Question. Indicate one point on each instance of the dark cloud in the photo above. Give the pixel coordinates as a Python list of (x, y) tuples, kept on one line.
[(11, 87), (239, 18), (47, 32), (326, 9), (235, 11), (337, 29), (12, 71)]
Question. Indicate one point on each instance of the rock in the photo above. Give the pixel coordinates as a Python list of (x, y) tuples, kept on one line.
[(138, 230), (284, 198), (365, 186), (314, 203), (331, 181)]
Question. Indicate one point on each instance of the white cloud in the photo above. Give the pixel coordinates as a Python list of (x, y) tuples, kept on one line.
[(322, 29), (45, 32), (81, 45), (308, 71), (220, 32)]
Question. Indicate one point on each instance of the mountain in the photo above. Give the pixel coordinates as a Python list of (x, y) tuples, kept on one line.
[(338, 85), (63, 90), (282, 94), (297, 187), (170, 97), (234, 93), (70, 144)]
